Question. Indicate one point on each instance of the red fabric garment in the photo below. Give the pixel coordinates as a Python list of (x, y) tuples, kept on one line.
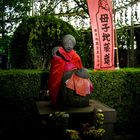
[(66, 61), (82, 86)]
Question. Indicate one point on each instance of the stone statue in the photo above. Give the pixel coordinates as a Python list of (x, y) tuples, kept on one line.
[(69, 83)]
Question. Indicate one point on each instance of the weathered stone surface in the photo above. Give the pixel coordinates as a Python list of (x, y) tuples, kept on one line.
[(80, 114), (68, 97)]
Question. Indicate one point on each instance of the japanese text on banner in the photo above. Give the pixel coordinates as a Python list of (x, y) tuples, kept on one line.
[(100, 12)]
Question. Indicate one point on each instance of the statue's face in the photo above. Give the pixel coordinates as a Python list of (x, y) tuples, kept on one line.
[(68, 45)]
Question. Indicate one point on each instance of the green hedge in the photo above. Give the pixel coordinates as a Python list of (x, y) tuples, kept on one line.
[(18, 112), (119, 89), (19, 83)]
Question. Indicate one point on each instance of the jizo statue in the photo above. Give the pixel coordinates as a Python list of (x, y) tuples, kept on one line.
[(68, 77)]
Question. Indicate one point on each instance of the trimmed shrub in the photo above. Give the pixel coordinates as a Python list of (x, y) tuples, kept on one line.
[(34, 39), (120, 89), (19, 89)]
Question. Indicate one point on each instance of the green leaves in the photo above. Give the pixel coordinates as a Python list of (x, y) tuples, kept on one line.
[(59, 119), (34, 40)]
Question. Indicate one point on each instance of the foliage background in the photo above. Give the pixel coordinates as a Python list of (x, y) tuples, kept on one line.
[(34, 40), (118, 89)]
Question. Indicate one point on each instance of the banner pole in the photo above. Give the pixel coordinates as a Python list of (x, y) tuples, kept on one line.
[(116, 49), (115, 39)]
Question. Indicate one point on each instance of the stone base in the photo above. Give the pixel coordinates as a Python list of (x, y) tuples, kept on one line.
[(82, 114)]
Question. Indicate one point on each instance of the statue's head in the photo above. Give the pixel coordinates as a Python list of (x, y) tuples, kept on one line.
[(68, 42)]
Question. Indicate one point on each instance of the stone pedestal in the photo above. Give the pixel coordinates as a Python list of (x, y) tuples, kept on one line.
[(82, 115)]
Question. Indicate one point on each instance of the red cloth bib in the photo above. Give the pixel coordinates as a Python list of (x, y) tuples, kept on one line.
[(82, 86)]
